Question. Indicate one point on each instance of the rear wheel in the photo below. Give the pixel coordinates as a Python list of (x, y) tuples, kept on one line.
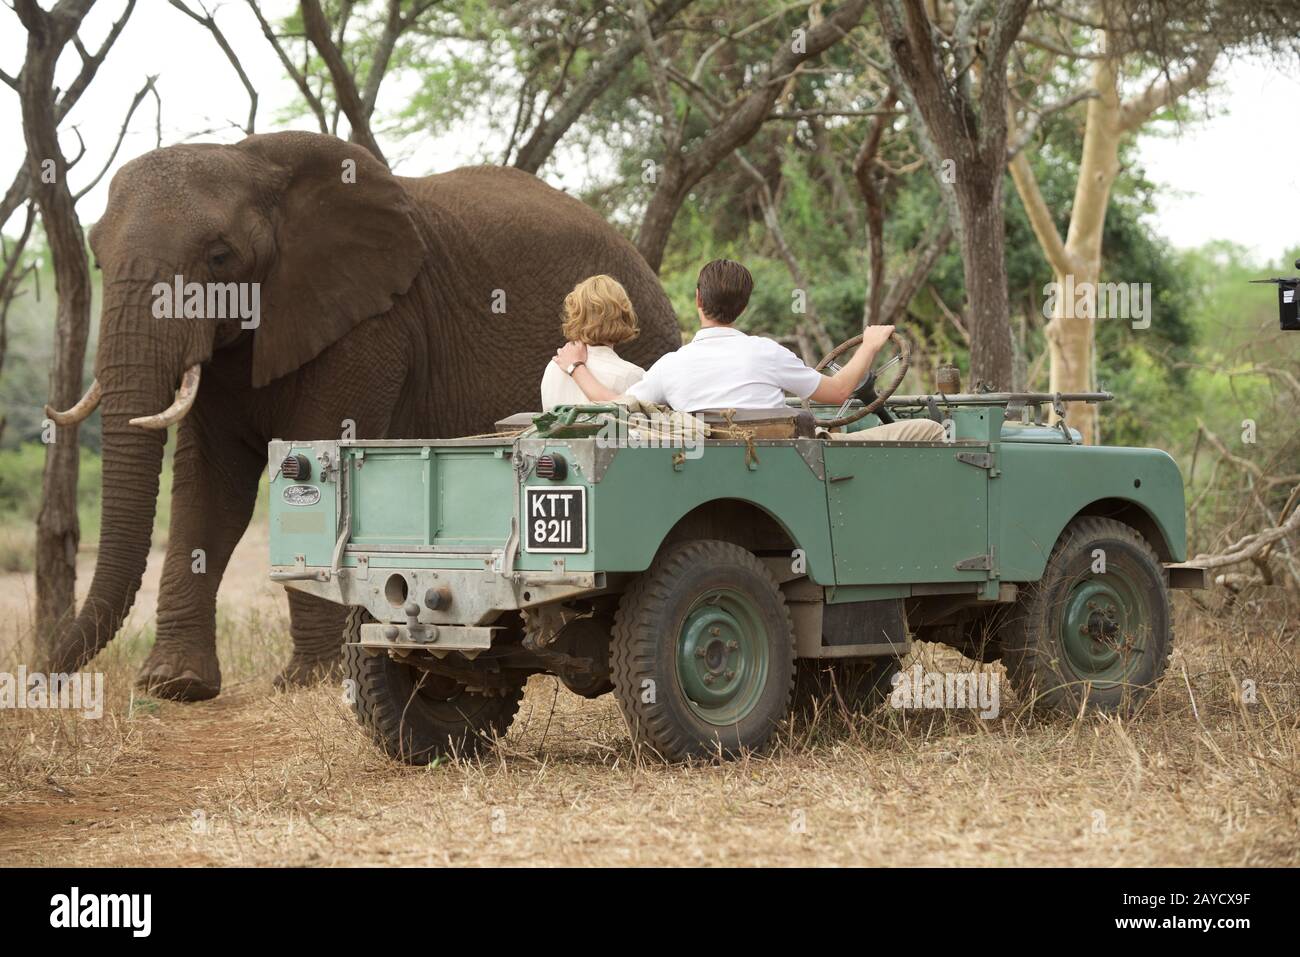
[(703, 652), (1096, 629), (416, 716)]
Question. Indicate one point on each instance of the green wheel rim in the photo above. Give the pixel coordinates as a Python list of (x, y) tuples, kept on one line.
[(722, 656), (1105, 624)]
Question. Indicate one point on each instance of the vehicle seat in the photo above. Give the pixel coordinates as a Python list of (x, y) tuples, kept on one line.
[(766, 423)]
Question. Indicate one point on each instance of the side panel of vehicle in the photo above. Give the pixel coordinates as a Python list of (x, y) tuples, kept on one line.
[(1042, 487), (902, 513), (645, 492)]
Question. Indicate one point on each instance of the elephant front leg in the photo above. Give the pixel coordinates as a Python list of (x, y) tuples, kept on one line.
[(317, 628), (214, 489)]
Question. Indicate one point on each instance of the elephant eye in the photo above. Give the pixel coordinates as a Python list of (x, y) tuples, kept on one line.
[(219, 256)]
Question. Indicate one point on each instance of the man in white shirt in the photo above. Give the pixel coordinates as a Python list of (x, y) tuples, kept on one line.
[(723, 368)]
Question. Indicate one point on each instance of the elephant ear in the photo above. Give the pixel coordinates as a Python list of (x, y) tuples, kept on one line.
[(346, 246)]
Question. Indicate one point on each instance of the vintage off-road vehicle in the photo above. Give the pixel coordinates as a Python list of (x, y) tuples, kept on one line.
[(712, 581)]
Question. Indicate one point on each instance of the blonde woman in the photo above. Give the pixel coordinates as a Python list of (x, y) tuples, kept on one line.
[(598, 314)]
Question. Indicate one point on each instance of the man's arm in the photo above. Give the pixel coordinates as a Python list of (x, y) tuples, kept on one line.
[(576, 352), (591, 386), (837, 388)]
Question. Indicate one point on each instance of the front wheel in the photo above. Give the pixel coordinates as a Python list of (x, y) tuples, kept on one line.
[(1096, 629), (702, 657), (414, 715)]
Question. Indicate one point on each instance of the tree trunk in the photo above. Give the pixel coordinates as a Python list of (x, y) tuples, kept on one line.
[(963, 135), (1071, 337), (57, 529), (992, 356), (657, 224), (1070, 353)]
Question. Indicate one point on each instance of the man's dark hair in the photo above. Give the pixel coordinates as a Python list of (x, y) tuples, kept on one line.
[(724, 287)]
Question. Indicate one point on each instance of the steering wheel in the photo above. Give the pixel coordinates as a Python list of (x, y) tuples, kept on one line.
[(873, 400)]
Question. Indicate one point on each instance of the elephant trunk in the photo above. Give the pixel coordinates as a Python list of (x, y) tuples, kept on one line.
[(137, 378)]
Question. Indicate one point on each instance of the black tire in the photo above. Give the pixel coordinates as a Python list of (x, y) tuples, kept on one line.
[(415, 716), (857, 686), (683, 601), (589, 688), (1064, 649)]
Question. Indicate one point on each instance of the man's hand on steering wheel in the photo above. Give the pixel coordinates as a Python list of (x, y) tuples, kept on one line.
[(874, 337), (841, 383), (864, 381)]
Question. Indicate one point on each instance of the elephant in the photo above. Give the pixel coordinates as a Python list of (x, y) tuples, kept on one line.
[(400, 307)]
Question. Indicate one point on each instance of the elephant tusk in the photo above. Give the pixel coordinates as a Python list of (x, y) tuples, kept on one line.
[(180, 406), (85, 405)]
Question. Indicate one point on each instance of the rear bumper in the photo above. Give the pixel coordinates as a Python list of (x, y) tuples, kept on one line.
[(467, 597), (438, 640), (1187, 576)]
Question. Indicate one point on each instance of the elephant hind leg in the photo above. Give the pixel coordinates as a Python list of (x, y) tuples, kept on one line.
[(317, 629)]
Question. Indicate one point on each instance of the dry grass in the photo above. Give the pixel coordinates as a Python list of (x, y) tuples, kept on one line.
[(1198, 778)]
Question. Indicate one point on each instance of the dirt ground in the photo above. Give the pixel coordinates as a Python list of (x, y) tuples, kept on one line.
[(1199, 777)]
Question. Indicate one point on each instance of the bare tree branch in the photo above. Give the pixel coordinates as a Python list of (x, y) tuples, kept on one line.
[(1245, 464), (923, 260), (299, 78), (1040, 216), (869, 187), (209, 22), (90, 63), (1026, 133), (1159, 94), (15, 271), (736, 127), (121, 134), (1250, 546), (345, 86), (544, 138), (20, 187), (810, 323)]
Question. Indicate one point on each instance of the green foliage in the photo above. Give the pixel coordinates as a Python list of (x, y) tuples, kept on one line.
[(25, 376), (20, 490), (20, 483)]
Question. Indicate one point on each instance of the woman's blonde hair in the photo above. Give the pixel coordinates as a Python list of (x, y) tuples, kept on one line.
[(599, 313)]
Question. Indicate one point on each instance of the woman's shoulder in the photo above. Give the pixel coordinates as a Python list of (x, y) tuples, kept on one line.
[(606, 354)]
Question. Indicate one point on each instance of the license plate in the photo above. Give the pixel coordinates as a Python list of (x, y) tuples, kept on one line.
[(555, 519)]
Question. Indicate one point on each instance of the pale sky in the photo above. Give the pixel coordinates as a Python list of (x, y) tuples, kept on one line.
[(1233, 176)]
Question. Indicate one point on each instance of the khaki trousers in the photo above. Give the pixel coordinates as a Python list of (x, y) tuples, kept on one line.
[(906, 430)]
